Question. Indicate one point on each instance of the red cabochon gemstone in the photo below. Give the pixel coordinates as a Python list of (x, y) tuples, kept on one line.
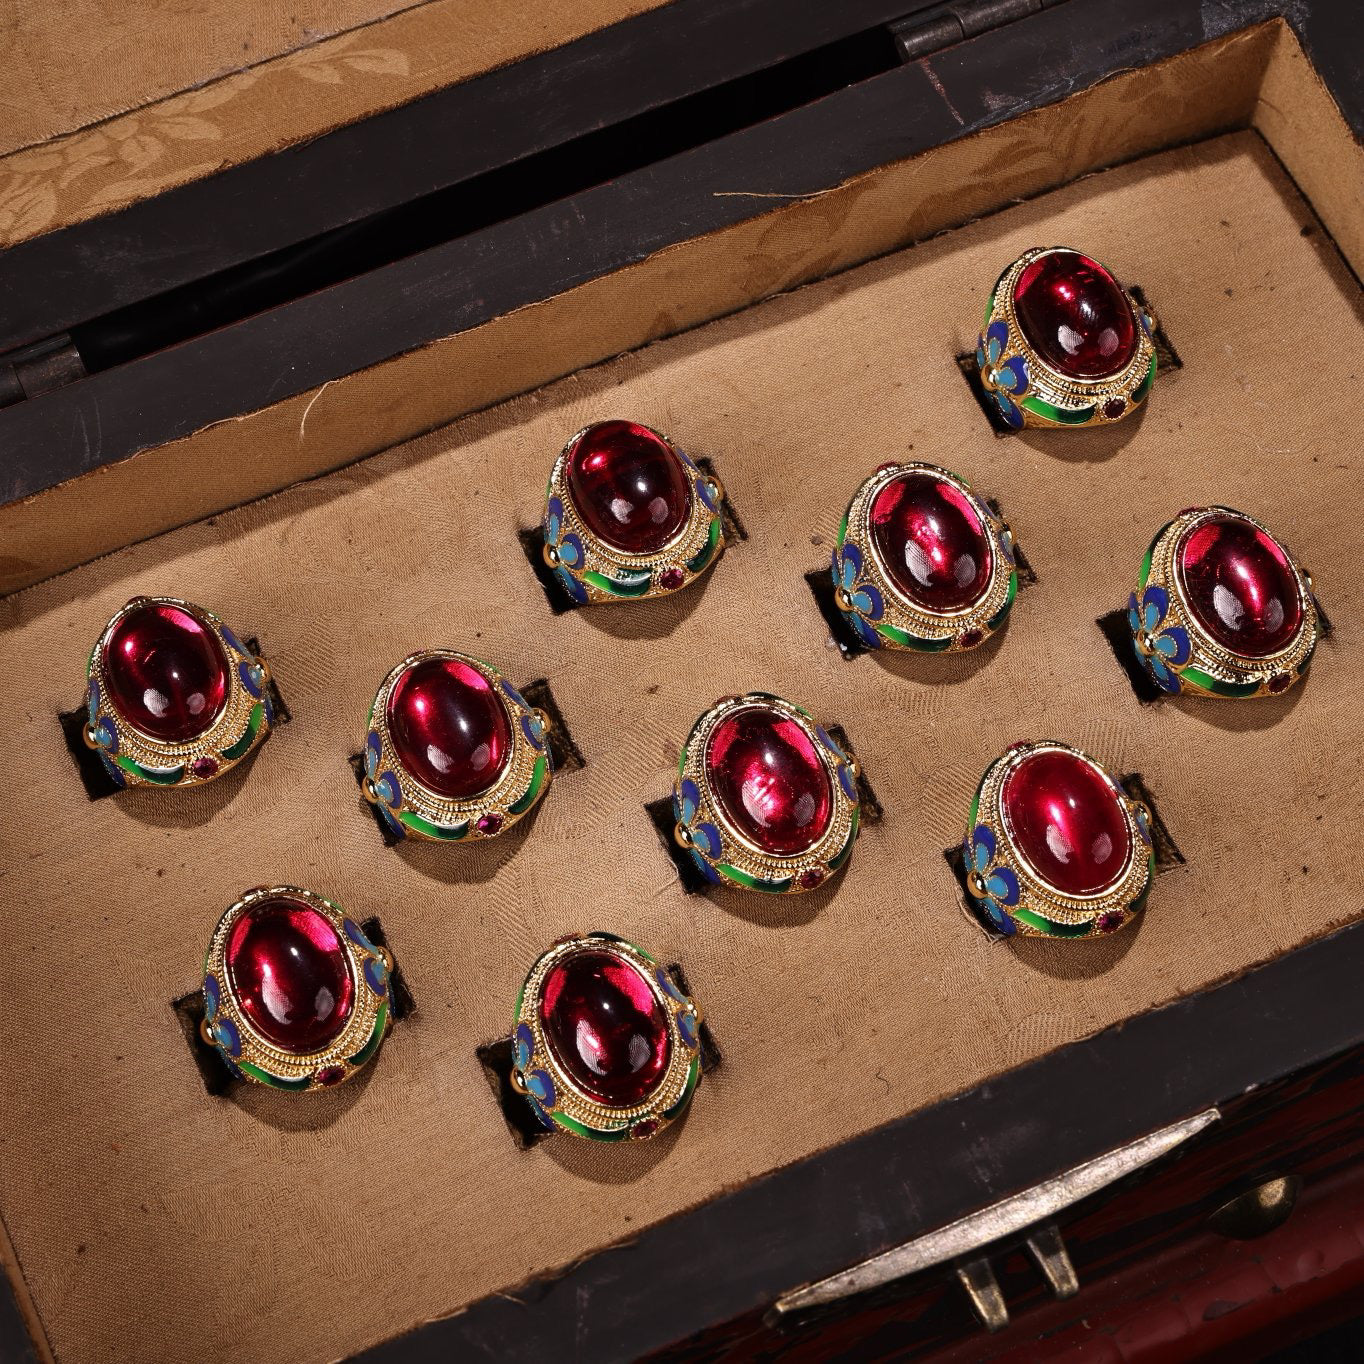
[(1075, 315), (1240, 586), (629, 486), (768, 778), (932, 541), (289, 973), (1067, 821), (606, 1027), (165, 672), (449, 727)]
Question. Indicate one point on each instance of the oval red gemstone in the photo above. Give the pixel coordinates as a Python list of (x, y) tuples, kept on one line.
[(1067, 822), (769, 780), (289, 973), (1076, 315), (628, 485), (1240, 586), (165, 672), (932, 541), (606, 1027), (449, 727)]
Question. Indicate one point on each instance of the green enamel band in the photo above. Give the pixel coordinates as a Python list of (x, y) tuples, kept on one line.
[(842, 855), (158, 776), (1198, 678), (997, 619), (701, 558), (234, 751), (375, 1037), (597, 1134), (628, 585), (537, 781), (693, 1075), (1143, 388), (1049, 926), (743, 878), (274, 1081), (1063, 416), (908, 641), (415, 822)]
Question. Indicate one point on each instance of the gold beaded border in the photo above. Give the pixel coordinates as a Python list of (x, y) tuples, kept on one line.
[(981, 618), (739, 861), (1106, 910), (568, 1107), (1232, 675), (142, 760), (259, 1060), (636, 577), (1064, 401), (426, 814)]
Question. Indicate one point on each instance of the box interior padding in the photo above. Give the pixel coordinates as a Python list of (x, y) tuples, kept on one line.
[(275, 1227)]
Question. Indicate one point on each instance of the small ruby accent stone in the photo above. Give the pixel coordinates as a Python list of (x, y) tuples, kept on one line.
[(1109, 923), (644, 1129), (811, 878), (204, 768), (769, 780), (970, 639), (1279, 682), (449, 727), (628, 486), (1067, 822), (1114, 408), (1076, 315), (165, 672), (932, 541), (489, 824), (1240, 585), (289, 972), (606, 1027), (331, 1075), (671, 579)]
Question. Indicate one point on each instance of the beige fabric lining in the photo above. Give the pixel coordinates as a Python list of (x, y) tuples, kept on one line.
[(263, 1227)]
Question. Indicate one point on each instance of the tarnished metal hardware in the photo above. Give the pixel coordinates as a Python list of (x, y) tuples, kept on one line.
[(963, 1240), (920, 36), (1258, 1211), (981, 1286), (35, 369)]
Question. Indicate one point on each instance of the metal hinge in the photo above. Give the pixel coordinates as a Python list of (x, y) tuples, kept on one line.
[(35, 369), (921, 35), (1028, 1214)]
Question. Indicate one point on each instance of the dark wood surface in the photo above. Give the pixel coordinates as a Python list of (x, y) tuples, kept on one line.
[(728, 1259), (535, 254)]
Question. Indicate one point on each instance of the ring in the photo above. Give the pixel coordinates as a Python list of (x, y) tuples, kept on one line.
[(295, 995), (922, 562), (1222, 609), (629, 515), (605, 1044), (173, 697), (1063, 344), (1055, 847), (453, 751), (765, 799)]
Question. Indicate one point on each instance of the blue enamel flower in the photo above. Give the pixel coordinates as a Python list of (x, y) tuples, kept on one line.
[(703, 839), (375, 968), (865, 603), (707, 490), (1005, 380), (387, 792), (223, 1031), (532, 725), (567, 549), (523, 1045), (102, 734), (1166, 650), (847, 778), (994, 887)]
